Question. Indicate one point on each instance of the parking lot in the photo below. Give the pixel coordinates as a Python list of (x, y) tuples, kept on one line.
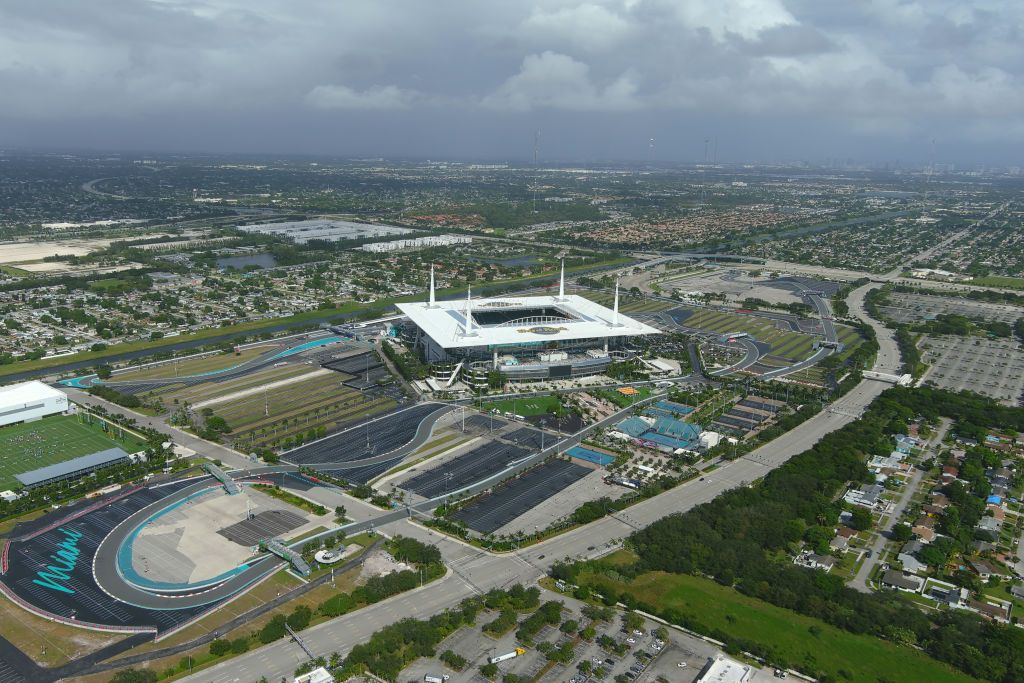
[(613, 651), (992, 367), (365, 441), (461, 471), (906, 307), (493, 511)]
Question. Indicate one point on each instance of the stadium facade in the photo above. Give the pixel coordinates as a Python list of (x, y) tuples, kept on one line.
[(525, 338), (30, 401)]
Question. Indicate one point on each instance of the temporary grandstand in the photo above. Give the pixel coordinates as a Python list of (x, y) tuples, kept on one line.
[(525, 338), (72, 469)]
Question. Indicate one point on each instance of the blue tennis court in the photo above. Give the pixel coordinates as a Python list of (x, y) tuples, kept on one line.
[(590, 456)]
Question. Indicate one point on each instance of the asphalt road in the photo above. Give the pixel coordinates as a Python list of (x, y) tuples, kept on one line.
[(182, 438), (395, 434), (860, 580)]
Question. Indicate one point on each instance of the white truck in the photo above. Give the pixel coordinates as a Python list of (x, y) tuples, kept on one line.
[(508, 655), (433, 678)]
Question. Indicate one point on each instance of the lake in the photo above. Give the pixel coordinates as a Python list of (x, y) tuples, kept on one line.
[(240, 262)]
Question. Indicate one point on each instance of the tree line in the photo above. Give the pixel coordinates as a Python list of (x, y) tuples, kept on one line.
[(738, 537)]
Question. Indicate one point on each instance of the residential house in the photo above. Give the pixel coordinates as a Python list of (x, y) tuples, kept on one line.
[(839, 544), (815, 561), (925, 521), (907, 556), (924, 534), (867, 495), (981, 547), (904, 443), (990, 610), (900, 581), (990, 524), (983, 569)]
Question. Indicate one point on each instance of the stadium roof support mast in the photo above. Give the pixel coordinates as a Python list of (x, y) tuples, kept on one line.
[(615, 309), (561, 283), (469, 311), (431, 303)]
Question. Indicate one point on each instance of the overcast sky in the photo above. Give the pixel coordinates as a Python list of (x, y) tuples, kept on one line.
[(873, 80)]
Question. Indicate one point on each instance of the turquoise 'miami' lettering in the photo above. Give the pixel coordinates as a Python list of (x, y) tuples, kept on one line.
[(63, 563)]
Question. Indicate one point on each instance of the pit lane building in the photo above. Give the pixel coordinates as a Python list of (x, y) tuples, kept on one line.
[(525, 338)]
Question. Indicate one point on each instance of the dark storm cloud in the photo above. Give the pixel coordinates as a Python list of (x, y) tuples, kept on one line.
[(777, 78)]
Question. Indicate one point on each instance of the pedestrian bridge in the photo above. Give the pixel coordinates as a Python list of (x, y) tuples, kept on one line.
[(898, 380)]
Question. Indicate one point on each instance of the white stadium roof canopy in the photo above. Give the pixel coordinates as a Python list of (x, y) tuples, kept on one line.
[(445, 321)]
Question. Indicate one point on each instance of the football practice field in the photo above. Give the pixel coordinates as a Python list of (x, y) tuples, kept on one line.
[(31, 445)]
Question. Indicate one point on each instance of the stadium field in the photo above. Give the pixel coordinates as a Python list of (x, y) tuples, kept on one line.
[(29, 446), (534, 405)]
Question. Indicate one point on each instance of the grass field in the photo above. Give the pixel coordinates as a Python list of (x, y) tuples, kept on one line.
[(999, 281), (14, 270), (106, 283), (54, 439), (186, 367), (320, 401), (535, 405), (210, 390), (808, 644), (813, 375), (792, 346), (628, 304)]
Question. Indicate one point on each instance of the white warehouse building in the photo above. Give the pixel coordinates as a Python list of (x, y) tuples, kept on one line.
[(30, 401)]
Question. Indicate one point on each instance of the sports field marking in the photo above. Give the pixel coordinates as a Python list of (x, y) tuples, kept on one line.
[(30, 445)]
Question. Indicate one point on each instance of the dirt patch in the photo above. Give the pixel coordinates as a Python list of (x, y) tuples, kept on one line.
[(380, 563), (13, 252)]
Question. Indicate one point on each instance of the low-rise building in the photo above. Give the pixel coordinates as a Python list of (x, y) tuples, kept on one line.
[(907, 557), (903, 582)]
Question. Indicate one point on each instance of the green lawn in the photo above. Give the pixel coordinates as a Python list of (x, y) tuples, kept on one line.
[(998, 281), (107, 283), (14, 270), (185, 367), (793, 346), (535, 405), (809, 644), (620, 399), (29, 446)]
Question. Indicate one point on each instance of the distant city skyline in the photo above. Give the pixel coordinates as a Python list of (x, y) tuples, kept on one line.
[(769, 80)]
